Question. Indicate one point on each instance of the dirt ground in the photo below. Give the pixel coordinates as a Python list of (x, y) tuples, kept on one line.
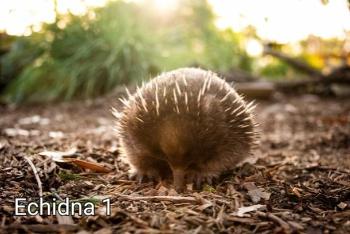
[(299, 181)]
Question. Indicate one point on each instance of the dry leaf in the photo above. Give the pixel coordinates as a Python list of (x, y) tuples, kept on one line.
[(256, 193), (342, 205), (88, 165), (63, 156), (246, 209), (58, 156)]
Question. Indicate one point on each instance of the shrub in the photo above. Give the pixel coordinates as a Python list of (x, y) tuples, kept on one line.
[(88, 57)]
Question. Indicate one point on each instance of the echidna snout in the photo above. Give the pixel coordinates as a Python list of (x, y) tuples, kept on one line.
[(187, 124)]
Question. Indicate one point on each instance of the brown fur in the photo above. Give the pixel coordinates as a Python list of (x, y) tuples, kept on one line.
[(187, 124)]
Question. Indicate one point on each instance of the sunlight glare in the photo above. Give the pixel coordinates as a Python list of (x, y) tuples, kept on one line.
[(285, 21), (17, 16), (254, 48), (165, 5), (282, 21)]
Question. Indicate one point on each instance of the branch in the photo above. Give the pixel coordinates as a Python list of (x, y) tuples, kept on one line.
[(275, 219), (297, 64)]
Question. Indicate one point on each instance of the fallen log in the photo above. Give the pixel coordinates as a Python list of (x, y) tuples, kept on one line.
[(296, 63), (256, 90)]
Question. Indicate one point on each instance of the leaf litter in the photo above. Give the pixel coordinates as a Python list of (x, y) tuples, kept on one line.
[(298, 181)]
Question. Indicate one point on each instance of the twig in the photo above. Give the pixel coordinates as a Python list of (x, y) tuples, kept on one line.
[(36, 176), (276, 219), (220, 218), (176, 199)]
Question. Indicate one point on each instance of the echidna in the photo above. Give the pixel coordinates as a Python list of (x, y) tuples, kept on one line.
[(187, 124)]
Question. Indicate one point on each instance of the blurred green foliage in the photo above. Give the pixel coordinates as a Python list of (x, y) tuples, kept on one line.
[(86, 56), (275, 69), (190, 37)]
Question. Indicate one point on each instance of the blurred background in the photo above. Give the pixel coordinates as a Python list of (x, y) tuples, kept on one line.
[(54, 50)]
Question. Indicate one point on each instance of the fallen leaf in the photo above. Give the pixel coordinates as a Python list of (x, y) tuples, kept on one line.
[(88, 165), (64, 156), (58, 156), (256, 193), (342, 205), (246, 209)]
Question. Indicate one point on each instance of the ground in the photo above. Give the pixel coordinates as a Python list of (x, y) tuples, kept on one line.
[(299, 180)]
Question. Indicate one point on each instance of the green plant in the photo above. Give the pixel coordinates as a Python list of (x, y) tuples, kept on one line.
[(275, 69), (191, 38), (67, 176), (88, 57), (23, 53)]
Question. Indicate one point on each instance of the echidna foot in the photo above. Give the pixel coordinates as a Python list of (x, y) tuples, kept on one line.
[(199, 179), (144, 176)]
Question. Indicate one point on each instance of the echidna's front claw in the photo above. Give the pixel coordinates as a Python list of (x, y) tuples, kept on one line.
[(198, 179)]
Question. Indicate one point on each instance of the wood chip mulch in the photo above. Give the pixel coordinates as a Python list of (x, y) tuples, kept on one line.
[(298, 181)]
